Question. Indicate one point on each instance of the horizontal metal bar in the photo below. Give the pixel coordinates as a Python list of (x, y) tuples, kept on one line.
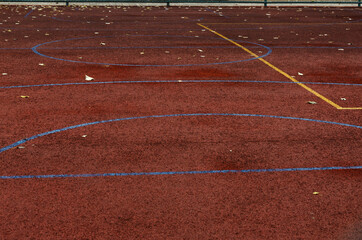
[(189, 1)]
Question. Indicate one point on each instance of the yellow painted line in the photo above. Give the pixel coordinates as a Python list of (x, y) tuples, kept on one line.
[(246, 23), (351, 108), (276, 69)]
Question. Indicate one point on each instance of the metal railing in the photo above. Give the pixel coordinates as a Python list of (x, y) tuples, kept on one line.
[(221, 2)]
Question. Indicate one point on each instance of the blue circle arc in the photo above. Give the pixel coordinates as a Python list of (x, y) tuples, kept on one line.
[(165, 116), (35, 50)]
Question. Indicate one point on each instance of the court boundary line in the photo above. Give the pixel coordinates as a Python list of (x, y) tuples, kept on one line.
[(173, 81), (278, 23), (280, 71), (84, 175)]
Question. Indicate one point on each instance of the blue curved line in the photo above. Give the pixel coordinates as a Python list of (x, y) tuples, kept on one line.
[(145, 17), (180, 172), (28, 13), (109, 30), (176, 81), (35, 50), (177, 47), (215, 12), (63, 20), (178, 29), (164, 116)]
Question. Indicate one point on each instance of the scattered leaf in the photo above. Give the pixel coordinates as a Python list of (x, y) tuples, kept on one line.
[(24, 96), (315, 193), (312, 102), (300, 74), (88, 78), (343, 99)]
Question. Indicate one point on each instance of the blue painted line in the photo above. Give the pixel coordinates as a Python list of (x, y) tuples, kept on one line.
[(215, 12), (178, 29), (180, 172), (312, 47), (105, 30), (136, 47), (35, 50), (182, 47), (109, 30), (187, 47), (359, 20), (63, 20), (167, 116), (28, 13), (175, 81), (151, 18), (15, 48)]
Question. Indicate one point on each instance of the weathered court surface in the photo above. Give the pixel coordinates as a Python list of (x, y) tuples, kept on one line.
[(200, 123)]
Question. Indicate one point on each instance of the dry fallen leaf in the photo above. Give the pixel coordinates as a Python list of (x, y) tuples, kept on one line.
[(312, 102), (88, 78), (315, 193), (24, 96)]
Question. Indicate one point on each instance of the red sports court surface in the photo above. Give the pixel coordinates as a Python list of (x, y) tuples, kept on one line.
[(198, 123)]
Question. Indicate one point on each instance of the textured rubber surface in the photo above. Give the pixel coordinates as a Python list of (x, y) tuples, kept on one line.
[(221, 148)]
